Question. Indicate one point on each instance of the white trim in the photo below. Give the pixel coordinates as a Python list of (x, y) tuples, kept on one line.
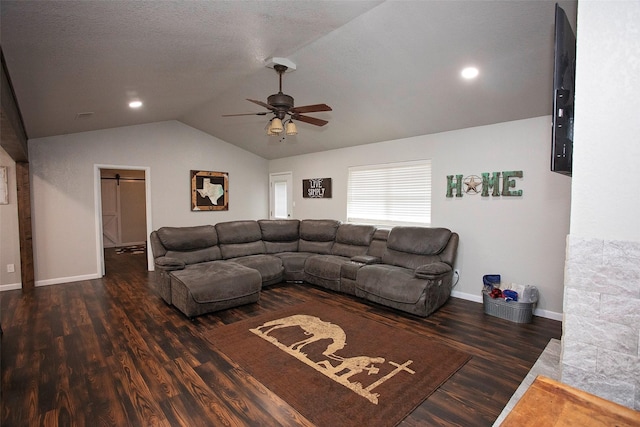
[(10, 287), (468, 297), (97, 194), (63, 280), (537, 312), (548, 314)]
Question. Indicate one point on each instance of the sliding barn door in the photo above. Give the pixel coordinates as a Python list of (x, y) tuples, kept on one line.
[(110, 216)]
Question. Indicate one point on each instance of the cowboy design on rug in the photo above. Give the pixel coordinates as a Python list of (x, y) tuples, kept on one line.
[(315, 330)]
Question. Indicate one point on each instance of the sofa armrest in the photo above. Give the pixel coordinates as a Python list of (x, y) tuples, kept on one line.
[(168, 264), (433, 270), (366, 259)]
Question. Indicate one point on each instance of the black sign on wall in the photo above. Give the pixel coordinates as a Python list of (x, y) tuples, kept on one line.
[(316, 188)]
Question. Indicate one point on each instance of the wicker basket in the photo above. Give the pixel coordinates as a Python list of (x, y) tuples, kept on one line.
[(518, 312)]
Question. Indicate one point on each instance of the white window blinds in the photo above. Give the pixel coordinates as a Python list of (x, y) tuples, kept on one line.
[(390, 194)]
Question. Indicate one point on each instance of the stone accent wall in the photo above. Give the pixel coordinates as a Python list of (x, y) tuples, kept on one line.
[(601, 327)]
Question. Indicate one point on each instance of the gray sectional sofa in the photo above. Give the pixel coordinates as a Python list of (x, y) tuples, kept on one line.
[(206, 268)]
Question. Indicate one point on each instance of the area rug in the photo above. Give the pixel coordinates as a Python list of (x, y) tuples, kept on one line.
[(336, 367), (133, 249)]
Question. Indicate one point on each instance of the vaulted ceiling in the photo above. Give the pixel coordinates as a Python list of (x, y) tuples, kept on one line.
[(389, 69)]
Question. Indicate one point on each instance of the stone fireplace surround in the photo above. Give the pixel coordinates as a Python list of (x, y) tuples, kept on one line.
[(601, 326)]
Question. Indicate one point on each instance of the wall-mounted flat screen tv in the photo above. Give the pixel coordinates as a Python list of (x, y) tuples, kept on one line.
[(564, 72)]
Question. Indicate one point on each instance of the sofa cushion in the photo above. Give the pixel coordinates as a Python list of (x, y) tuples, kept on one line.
[(188, 238), (279, 230), (352, 240), (390, 282), (280, 235), (418, 240), (319, 230), (269, 266), (196, 256), (239, 238), (236, 250), (315, 247), (275, 248), (412, 247), (325, 266), (218, 281), (317, 235), (293, 263)]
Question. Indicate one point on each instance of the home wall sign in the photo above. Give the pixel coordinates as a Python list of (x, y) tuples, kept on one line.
[(316, 188), (209, 191), (485, 185)]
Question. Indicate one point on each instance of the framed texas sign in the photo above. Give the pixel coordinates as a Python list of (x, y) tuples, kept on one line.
[(209, 191)]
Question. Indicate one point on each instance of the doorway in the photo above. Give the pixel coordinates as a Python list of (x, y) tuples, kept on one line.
[(123, 220), (280, 195), (123, 208)]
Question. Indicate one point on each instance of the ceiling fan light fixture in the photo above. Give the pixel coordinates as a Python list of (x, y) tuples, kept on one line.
[(291, 128), (283, 108), (276, 126)]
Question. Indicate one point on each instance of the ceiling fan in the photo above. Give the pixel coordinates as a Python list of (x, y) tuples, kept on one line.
[(281, 105)]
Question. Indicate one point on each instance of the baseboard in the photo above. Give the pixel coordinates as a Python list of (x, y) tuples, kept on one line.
[(10, 287), (548, 314), (60, 280), (536, 312), (468, 297)]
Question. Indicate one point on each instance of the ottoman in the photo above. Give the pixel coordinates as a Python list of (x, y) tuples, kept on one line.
[(212, 286)]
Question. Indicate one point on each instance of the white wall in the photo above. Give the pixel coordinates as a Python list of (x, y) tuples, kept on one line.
[(9, 238), (62, 186), (521, 238), (607, 128)]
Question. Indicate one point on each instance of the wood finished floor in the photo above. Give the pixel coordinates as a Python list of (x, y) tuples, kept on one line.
[(110, 352)]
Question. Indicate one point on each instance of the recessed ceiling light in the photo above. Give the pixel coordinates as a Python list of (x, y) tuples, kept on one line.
[(469, 73), (135, 104)]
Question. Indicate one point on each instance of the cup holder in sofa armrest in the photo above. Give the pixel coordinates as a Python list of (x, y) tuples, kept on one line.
[(365, 259), (433, 270), (167, 263)]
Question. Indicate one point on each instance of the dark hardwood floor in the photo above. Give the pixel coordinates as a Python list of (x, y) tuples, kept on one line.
[(110, 352)]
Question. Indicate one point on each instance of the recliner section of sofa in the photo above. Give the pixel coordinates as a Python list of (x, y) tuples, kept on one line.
[(415, 273), (407, 268)]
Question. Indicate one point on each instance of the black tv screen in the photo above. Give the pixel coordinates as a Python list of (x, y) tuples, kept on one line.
[(564, 72)]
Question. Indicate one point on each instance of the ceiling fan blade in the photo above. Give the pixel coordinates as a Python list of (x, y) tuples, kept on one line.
[(311, 120), (263, 113), (311, 108), (262, 104)]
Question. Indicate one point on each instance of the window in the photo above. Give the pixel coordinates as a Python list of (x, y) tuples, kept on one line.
[(390, 194)]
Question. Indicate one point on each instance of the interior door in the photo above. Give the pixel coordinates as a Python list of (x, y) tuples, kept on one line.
[(133, 225), (280, 195), (110, 217)]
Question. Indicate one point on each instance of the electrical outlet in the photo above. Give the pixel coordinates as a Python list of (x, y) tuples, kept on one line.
[(11, 268)]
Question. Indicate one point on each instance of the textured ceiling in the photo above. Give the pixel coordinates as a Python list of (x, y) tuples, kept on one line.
[(389, 69)]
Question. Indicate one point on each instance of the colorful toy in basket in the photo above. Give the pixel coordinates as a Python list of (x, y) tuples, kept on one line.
[(490, 281)]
